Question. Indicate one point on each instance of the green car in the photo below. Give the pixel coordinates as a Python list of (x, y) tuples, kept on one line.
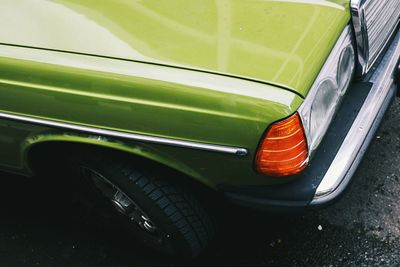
[(156, 110)]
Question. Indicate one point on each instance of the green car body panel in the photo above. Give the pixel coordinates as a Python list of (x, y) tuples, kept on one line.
[(280, 42), (214, 72)]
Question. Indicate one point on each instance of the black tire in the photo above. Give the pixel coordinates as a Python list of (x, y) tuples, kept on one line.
[(183, 225)]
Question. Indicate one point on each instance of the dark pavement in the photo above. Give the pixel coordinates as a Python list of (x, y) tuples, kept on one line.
[(39, 228)]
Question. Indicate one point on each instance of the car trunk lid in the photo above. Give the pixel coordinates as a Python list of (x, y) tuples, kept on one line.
[(284, 43)]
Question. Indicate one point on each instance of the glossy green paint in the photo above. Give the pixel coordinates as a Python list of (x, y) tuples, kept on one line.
[(139, 98), (168, 68), (282, 42)]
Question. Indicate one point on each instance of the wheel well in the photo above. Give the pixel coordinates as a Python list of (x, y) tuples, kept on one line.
[(43, 158)]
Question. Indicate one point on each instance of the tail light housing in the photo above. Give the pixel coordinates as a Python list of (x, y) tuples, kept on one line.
[(284, 150), (289, 144)]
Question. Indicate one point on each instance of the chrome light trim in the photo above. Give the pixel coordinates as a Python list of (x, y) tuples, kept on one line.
[(383, 80), (329, 70), (125, 135), (374, 25)]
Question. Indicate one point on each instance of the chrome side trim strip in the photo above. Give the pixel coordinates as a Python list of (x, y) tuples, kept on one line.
[(125, 135), (383, 80)]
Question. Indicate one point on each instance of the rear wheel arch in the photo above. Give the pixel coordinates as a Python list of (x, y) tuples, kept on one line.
[(185, 225), (51, 150)]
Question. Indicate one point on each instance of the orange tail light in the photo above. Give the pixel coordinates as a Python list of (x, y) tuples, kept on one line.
[(284, 149)]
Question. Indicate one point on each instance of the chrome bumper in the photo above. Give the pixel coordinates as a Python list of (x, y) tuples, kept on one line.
[(352, 149)]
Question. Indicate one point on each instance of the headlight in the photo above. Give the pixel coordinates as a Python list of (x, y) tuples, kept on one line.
[(288, 144), (325, 95)]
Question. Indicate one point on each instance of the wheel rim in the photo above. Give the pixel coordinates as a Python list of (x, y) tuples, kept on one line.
[(122, 203)]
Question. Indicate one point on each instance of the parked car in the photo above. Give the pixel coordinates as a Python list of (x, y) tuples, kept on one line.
[(156, 107)]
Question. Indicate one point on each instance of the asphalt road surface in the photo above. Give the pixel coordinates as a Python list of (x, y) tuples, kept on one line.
[(39, 228)]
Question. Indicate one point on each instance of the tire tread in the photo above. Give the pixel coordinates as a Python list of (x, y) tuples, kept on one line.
[(181, 208)]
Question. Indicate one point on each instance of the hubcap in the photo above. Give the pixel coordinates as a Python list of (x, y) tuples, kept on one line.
[(120, 201)]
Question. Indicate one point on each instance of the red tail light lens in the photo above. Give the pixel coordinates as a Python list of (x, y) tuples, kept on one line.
[(284, 149)]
